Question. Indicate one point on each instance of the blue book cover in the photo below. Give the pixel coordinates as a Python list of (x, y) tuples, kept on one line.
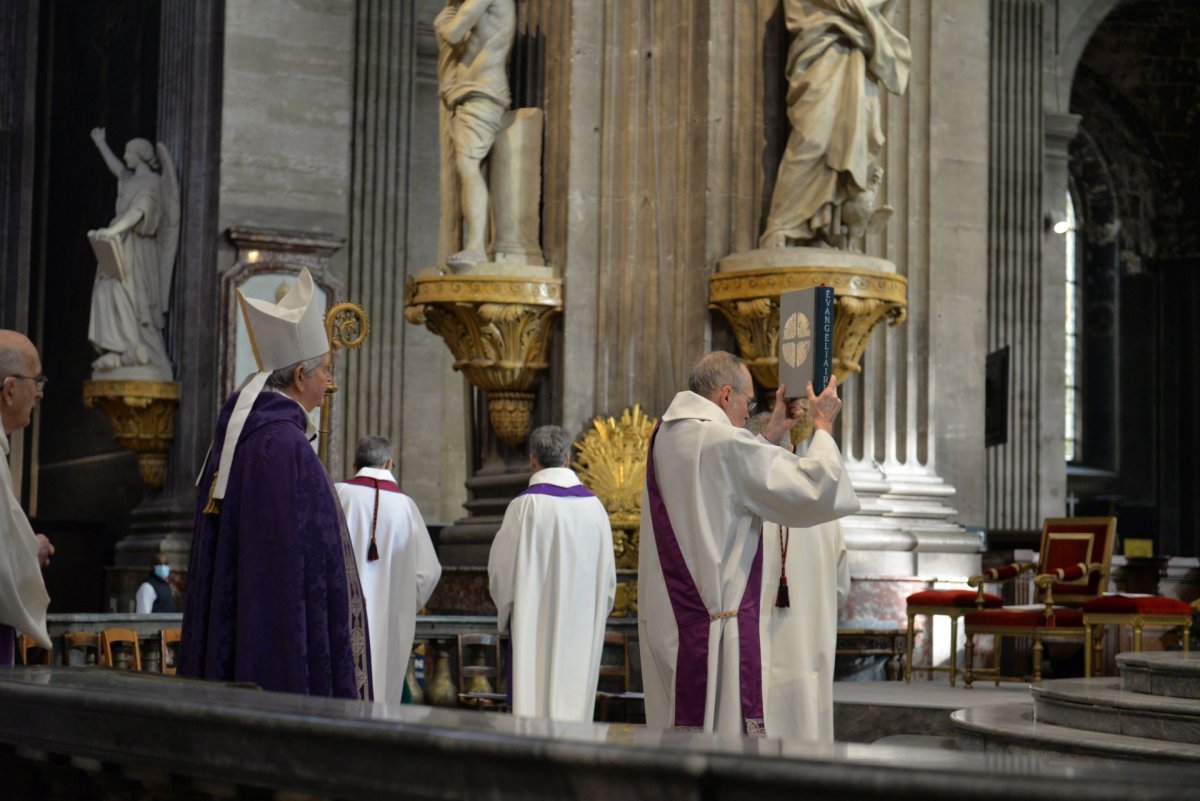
[(806, 339)]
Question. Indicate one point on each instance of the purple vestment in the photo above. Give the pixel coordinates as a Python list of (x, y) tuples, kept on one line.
[(553, 490), (273, 595)]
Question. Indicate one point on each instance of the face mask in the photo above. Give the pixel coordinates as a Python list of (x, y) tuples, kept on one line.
[(162, 571)]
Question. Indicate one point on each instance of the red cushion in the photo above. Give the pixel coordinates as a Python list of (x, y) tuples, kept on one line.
[(1025, 618), (962, 599), (1148, 605)]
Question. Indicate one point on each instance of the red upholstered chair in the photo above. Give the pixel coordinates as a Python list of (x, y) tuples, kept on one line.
[(953, 604), (1137, 612), (1072, 569)]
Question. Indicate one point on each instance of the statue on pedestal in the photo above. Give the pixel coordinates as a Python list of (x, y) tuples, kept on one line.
[(842, 54), (474, 38), (136, 256)]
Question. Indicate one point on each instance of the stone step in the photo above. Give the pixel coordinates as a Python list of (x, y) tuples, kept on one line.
[(1168, 673), (1012, 729), (1100, 705)]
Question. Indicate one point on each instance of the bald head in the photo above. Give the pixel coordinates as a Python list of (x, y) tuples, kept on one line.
[(19, 368)]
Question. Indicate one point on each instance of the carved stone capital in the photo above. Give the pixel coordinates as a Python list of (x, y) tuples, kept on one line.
[(498, 329), (749, 299), (142, 414)]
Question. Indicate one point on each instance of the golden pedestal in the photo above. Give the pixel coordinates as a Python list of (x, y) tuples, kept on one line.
[(142, 414), (746, 292), (498, 328)]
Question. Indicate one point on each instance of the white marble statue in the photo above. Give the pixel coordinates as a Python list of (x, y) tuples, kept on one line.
[(136, 255), (843, 54), (474, 38)]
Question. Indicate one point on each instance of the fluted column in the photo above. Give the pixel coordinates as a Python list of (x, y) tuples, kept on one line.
[(400, 383)]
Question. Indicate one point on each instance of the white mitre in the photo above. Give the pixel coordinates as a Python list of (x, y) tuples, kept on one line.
[(281, 334)]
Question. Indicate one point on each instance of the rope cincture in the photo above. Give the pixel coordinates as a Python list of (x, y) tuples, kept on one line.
[(782, 599), (213, 507), (373, 550)]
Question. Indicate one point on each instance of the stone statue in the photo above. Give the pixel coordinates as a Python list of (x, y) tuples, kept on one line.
[(136, 254), (474, 38), (842, 54)]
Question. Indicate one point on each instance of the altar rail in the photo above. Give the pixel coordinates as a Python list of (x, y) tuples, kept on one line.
[(82, 733)]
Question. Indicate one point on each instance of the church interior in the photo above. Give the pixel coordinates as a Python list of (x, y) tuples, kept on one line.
[(1010, 344)]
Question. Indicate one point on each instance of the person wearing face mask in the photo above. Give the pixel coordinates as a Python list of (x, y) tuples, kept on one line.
[(154, 594)]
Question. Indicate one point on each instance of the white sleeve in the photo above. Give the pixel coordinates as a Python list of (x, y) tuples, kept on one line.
[(145, 598), (795, 491), (502, 563), (429, 569)]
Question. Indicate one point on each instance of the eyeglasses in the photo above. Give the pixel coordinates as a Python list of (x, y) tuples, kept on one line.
[(39, 381), (751, 403)]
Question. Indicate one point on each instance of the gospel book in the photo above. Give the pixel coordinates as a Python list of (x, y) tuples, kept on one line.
[(805, 339)]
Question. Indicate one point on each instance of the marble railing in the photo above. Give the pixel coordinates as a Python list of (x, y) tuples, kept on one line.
[(74, 733)]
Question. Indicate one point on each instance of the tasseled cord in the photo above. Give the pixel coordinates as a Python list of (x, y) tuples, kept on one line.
[(213, 507), (373, 550), (782, 601)]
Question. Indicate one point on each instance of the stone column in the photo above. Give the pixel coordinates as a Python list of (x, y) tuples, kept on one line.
[(1028, 178), (191, 37), (400, 383)]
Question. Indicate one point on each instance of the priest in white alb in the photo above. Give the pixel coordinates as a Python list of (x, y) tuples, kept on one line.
[(553, 577), (709, 485), (806, 580), (396, 561)]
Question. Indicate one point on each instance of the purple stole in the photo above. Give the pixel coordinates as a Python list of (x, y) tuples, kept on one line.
[(578, 491), (376, 483), (692, 618)]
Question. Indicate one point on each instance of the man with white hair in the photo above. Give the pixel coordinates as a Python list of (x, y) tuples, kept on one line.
[(396, 561), (709, 485), (273, 593), (553, 577), (23, 598)]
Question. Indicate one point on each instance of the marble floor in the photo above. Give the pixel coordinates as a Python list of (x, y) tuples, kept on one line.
[(915, 714)]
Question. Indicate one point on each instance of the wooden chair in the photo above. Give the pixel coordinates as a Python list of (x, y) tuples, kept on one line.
[(479, 685), (25, 644), (1072, 569), (169, 643), (82, 641), (111, 637), (617, 676)]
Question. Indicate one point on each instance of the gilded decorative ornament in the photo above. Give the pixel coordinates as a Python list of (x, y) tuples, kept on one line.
[(142, 414), (346, 326), (498, 330), (612, 464), (749, 300), (625, 598)]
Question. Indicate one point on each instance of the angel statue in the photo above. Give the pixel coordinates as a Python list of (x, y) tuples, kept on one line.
[(843, 56), (136, 256)]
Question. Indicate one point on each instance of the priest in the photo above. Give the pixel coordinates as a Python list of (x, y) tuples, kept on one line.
[(273, 594), (553, 577), (709, 485), (396, 561), (799, 640), (23, 598)]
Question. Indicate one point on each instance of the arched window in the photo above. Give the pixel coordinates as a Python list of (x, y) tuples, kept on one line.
[(1073, 400)]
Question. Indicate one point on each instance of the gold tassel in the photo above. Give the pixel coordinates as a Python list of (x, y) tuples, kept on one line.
[(214, 505)]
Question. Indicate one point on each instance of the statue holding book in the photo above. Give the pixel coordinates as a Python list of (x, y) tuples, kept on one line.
[(135, 262)]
